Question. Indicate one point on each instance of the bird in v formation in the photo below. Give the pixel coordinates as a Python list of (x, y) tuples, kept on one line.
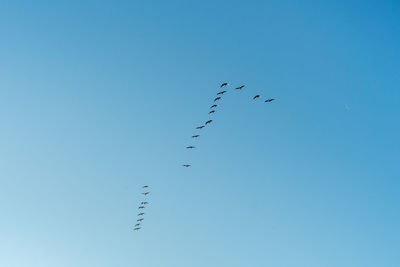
[(213, 111)]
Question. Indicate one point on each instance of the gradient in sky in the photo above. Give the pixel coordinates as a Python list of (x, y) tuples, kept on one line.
[(98, 98)]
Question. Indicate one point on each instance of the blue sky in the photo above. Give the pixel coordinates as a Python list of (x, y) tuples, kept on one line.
[(98, 98)]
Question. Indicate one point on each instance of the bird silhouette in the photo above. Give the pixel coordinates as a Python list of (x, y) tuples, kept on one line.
[(195, 136), (137, 224), (146, 193), (224, 84), (200, 127), (208, 122), (144, 203), (257, 96), (139, 220), (240, 87), (145, 186), (190, 147), (137, 228), (221, 93), (269, 100), (186, 165), (141, 207), (217, 98), (141, 214), (212, 111), (214, 106)]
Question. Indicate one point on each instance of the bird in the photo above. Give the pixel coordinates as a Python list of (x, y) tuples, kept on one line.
[(224, 84), (269, 100), (214, 106), (141, 214), (212, 111), (190, 147), (139, 220), (145, 186), (240, 87), (137, 228), (144, 203), (221, 93), (142, 207), (200, 127), (195, 136), (217, 98), (208, 122), (257, 96), (137, 224), (186, 165), (145, 193)]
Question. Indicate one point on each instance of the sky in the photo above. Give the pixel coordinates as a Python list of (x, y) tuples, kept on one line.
[(98, 98)]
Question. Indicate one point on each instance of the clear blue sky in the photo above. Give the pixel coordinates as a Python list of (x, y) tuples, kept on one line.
[(98, 98)]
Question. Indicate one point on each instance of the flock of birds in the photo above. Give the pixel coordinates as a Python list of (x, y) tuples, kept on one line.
[(144, 203), (213, 110)]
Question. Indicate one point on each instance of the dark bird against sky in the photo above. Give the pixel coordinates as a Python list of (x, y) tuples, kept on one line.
[(217, 98), (269, 100), (240, 87), (208, 122), (221, 93), (186, 165), (214, 106), (257, 96), (224, 84), (195, 136), (212, 111), (200, 127)]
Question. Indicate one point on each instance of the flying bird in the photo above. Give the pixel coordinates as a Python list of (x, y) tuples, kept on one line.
[(208, 122), (186, 165), (217, 98), (190, 147), (137, 224), (139, 220), (212, 111), (145, 186), (221, 93), (269, 100), (257, 96), (214, 106), (145, 193), (141, 214), (224, 84), (142, 207), (144, 203), (137, 228), (240, 87), (195, 136), (200, 127)]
